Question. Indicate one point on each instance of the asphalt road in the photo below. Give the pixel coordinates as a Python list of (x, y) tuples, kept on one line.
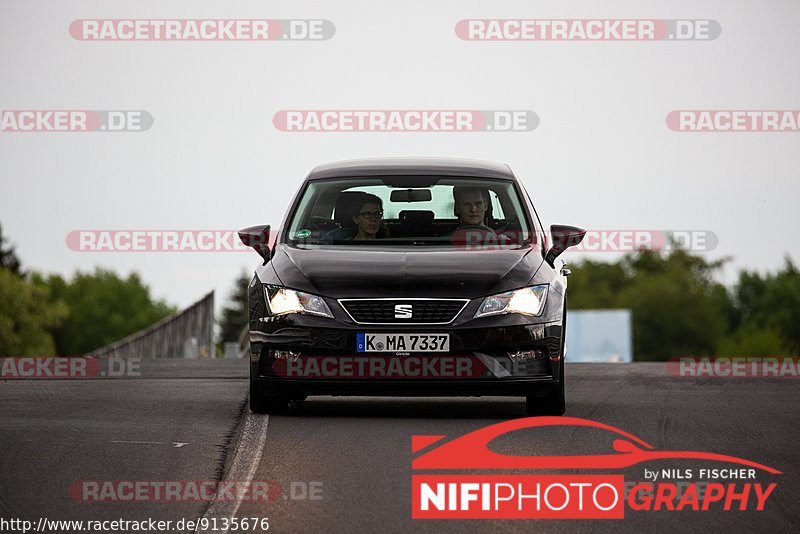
[(344, 464)]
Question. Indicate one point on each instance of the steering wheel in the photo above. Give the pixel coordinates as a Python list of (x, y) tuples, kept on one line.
[(502, 239), (507, 224), (476, 227), (323, 224)]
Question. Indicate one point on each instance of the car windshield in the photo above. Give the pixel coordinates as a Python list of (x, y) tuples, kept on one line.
[(410, 211)]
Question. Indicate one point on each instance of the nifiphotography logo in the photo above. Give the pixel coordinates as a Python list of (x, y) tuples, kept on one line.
[(722, 482)]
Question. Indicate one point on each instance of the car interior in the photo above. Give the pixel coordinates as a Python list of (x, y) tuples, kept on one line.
[(329, 218)]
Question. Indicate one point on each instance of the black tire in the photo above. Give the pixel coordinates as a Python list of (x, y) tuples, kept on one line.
[(554, 403), (551, 404), (260, 403)]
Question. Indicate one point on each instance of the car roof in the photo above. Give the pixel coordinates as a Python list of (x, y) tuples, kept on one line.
[(411, 167)]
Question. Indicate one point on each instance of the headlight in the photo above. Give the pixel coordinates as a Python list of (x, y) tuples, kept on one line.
[(281, 301), (527, 301)]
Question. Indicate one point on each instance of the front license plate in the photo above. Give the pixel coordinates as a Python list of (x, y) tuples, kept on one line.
[(402, 342)]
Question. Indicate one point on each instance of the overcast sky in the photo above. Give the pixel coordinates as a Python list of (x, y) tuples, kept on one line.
[(602, 156)]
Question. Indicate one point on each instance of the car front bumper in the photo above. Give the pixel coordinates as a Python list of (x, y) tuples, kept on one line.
[(301, 356)]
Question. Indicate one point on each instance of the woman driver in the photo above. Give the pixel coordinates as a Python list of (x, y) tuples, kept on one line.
[(368, 218)]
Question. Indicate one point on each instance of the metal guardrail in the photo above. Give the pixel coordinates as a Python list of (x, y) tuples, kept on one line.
[(186, 334), (239, 348), (244, 342)]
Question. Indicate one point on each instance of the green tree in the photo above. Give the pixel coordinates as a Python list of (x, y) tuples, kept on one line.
[(597, 285), (751, 340), (235, 313), (677, 307), (26, 314), (8, 256), (771, 303), (103, 308)]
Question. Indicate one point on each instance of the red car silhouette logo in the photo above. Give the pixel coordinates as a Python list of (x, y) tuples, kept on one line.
[(470, 450)]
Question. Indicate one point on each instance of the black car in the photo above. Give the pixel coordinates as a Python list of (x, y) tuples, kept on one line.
[(429, 277)]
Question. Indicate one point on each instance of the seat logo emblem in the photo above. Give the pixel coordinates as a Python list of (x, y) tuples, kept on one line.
[(402, 311)]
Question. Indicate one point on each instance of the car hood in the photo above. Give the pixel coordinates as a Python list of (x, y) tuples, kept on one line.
[(356, 272)]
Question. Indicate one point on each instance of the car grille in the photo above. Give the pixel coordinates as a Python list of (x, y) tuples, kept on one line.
[(422, 311)]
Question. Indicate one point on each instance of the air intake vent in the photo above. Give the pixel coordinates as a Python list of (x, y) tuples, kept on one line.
[(403, 311)]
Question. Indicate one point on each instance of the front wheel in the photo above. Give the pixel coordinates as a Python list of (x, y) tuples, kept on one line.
[(270, 405), (260, 403), (551, 404)]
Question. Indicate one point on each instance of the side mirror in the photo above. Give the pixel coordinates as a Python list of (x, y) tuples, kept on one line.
[(257, 237), (563, 237)]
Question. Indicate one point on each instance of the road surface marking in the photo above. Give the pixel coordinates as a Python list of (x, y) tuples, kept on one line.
[(176, 444), (243, 468)]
